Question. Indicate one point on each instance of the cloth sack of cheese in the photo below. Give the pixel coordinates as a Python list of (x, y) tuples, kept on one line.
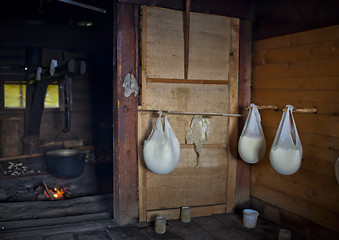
[(162, 148), (286, 151), (252, 144)]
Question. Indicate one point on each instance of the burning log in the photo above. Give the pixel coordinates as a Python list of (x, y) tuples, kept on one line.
[(50, 195), (53, 194)]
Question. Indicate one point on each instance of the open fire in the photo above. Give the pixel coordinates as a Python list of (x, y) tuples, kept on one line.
[(54, 194)]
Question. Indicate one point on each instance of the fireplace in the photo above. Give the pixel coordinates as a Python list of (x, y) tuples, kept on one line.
[(26, 179), (25, 202)]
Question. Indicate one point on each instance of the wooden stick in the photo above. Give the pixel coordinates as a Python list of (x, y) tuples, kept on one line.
[(188, 113), (48, 191), (186, 81), (21, 156), (39, 154), (302, 110), (265, 107), (187, 32)]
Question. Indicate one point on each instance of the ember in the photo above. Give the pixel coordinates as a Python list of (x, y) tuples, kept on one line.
[(54, 194), (57, 194)]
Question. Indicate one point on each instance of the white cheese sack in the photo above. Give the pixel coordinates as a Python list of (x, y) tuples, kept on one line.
[(252, 144), (286, 151), (162, 148)]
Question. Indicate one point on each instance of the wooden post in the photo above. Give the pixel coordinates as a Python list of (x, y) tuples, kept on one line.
[(187, 35), (233, 122), (244, 100), (125, 164), (34, 100)]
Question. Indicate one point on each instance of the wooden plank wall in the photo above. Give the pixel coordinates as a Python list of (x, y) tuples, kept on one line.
[(212, 86), (77, 42), (301, 69), (53, 120)]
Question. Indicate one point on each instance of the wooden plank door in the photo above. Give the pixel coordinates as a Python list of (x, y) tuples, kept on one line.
[(212, 86)]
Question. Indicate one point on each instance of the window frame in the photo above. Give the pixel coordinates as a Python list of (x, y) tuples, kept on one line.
[(22, 82)]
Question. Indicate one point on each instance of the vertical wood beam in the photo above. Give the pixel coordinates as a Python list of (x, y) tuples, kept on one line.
[(244, 100), (35, 96), (142, 123), (125, 165), (233, 122)]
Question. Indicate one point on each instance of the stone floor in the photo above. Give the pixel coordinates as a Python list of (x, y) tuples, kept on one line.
[(220, 227)]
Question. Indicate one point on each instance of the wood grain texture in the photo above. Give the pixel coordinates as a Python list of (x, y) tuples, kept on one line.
[(328, 96), (325, 68), (125, 125), (211, 98), (162, 58), (208, 38), (301, 69), (195, 212), (307, 83), (142, 123), (306, 123), (239, 9), (244, 100), (233, 122), (188, 185), (306, 194), (186, 81), (310, 52), (298, 225), (288, 203), (320, 35)]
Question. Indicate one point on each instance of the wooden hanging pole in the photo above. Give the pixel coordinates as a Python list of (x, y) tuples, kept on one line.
[(186, 35), (302, 110), (265, 107), (188, 113)]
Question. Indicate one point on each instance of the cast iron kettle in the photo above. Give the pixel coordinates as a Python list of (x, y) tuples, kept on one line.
[(65, 163)]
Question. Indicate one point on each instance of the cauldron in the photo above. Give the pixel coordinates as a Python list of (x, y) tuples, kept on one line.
[(65, 163)]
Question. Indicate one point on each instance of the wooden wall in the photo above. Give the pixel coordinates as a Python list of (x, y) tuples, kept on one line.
[(212, 86), (301, 69), (277, 18), (94, 87)]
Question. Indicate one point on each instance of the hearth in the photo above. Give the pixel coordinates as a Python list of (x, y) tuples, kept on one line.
[(31, 197), (27, 179)]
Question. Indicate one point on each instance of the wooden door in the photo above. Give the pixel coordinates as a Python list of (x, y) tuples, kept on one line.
[(212, 86)]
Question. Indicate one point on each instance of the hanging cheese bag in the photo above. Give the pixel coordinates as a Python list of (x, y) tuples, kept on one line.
[(286, 150), (162, 148), (251, 144)]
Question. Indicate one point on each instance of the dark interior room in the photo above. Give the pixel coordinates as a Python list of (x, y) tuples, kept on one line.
[(87, 85)]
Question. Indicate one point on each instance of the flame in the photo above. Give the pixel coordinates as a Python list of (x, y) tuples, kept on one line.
[(57, 194)]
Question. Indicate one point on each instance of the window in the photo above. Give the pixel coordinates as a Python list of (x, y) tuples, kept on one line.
[(52, 97), (15, 96)]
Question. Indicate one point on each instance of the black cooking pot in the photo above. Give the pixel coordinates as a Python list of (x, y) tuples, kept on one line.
[(65, 163)]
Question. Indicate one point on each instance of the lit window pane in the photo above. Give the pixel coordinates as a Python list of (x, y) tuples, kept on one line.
[(52, 97), (15, 95)]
